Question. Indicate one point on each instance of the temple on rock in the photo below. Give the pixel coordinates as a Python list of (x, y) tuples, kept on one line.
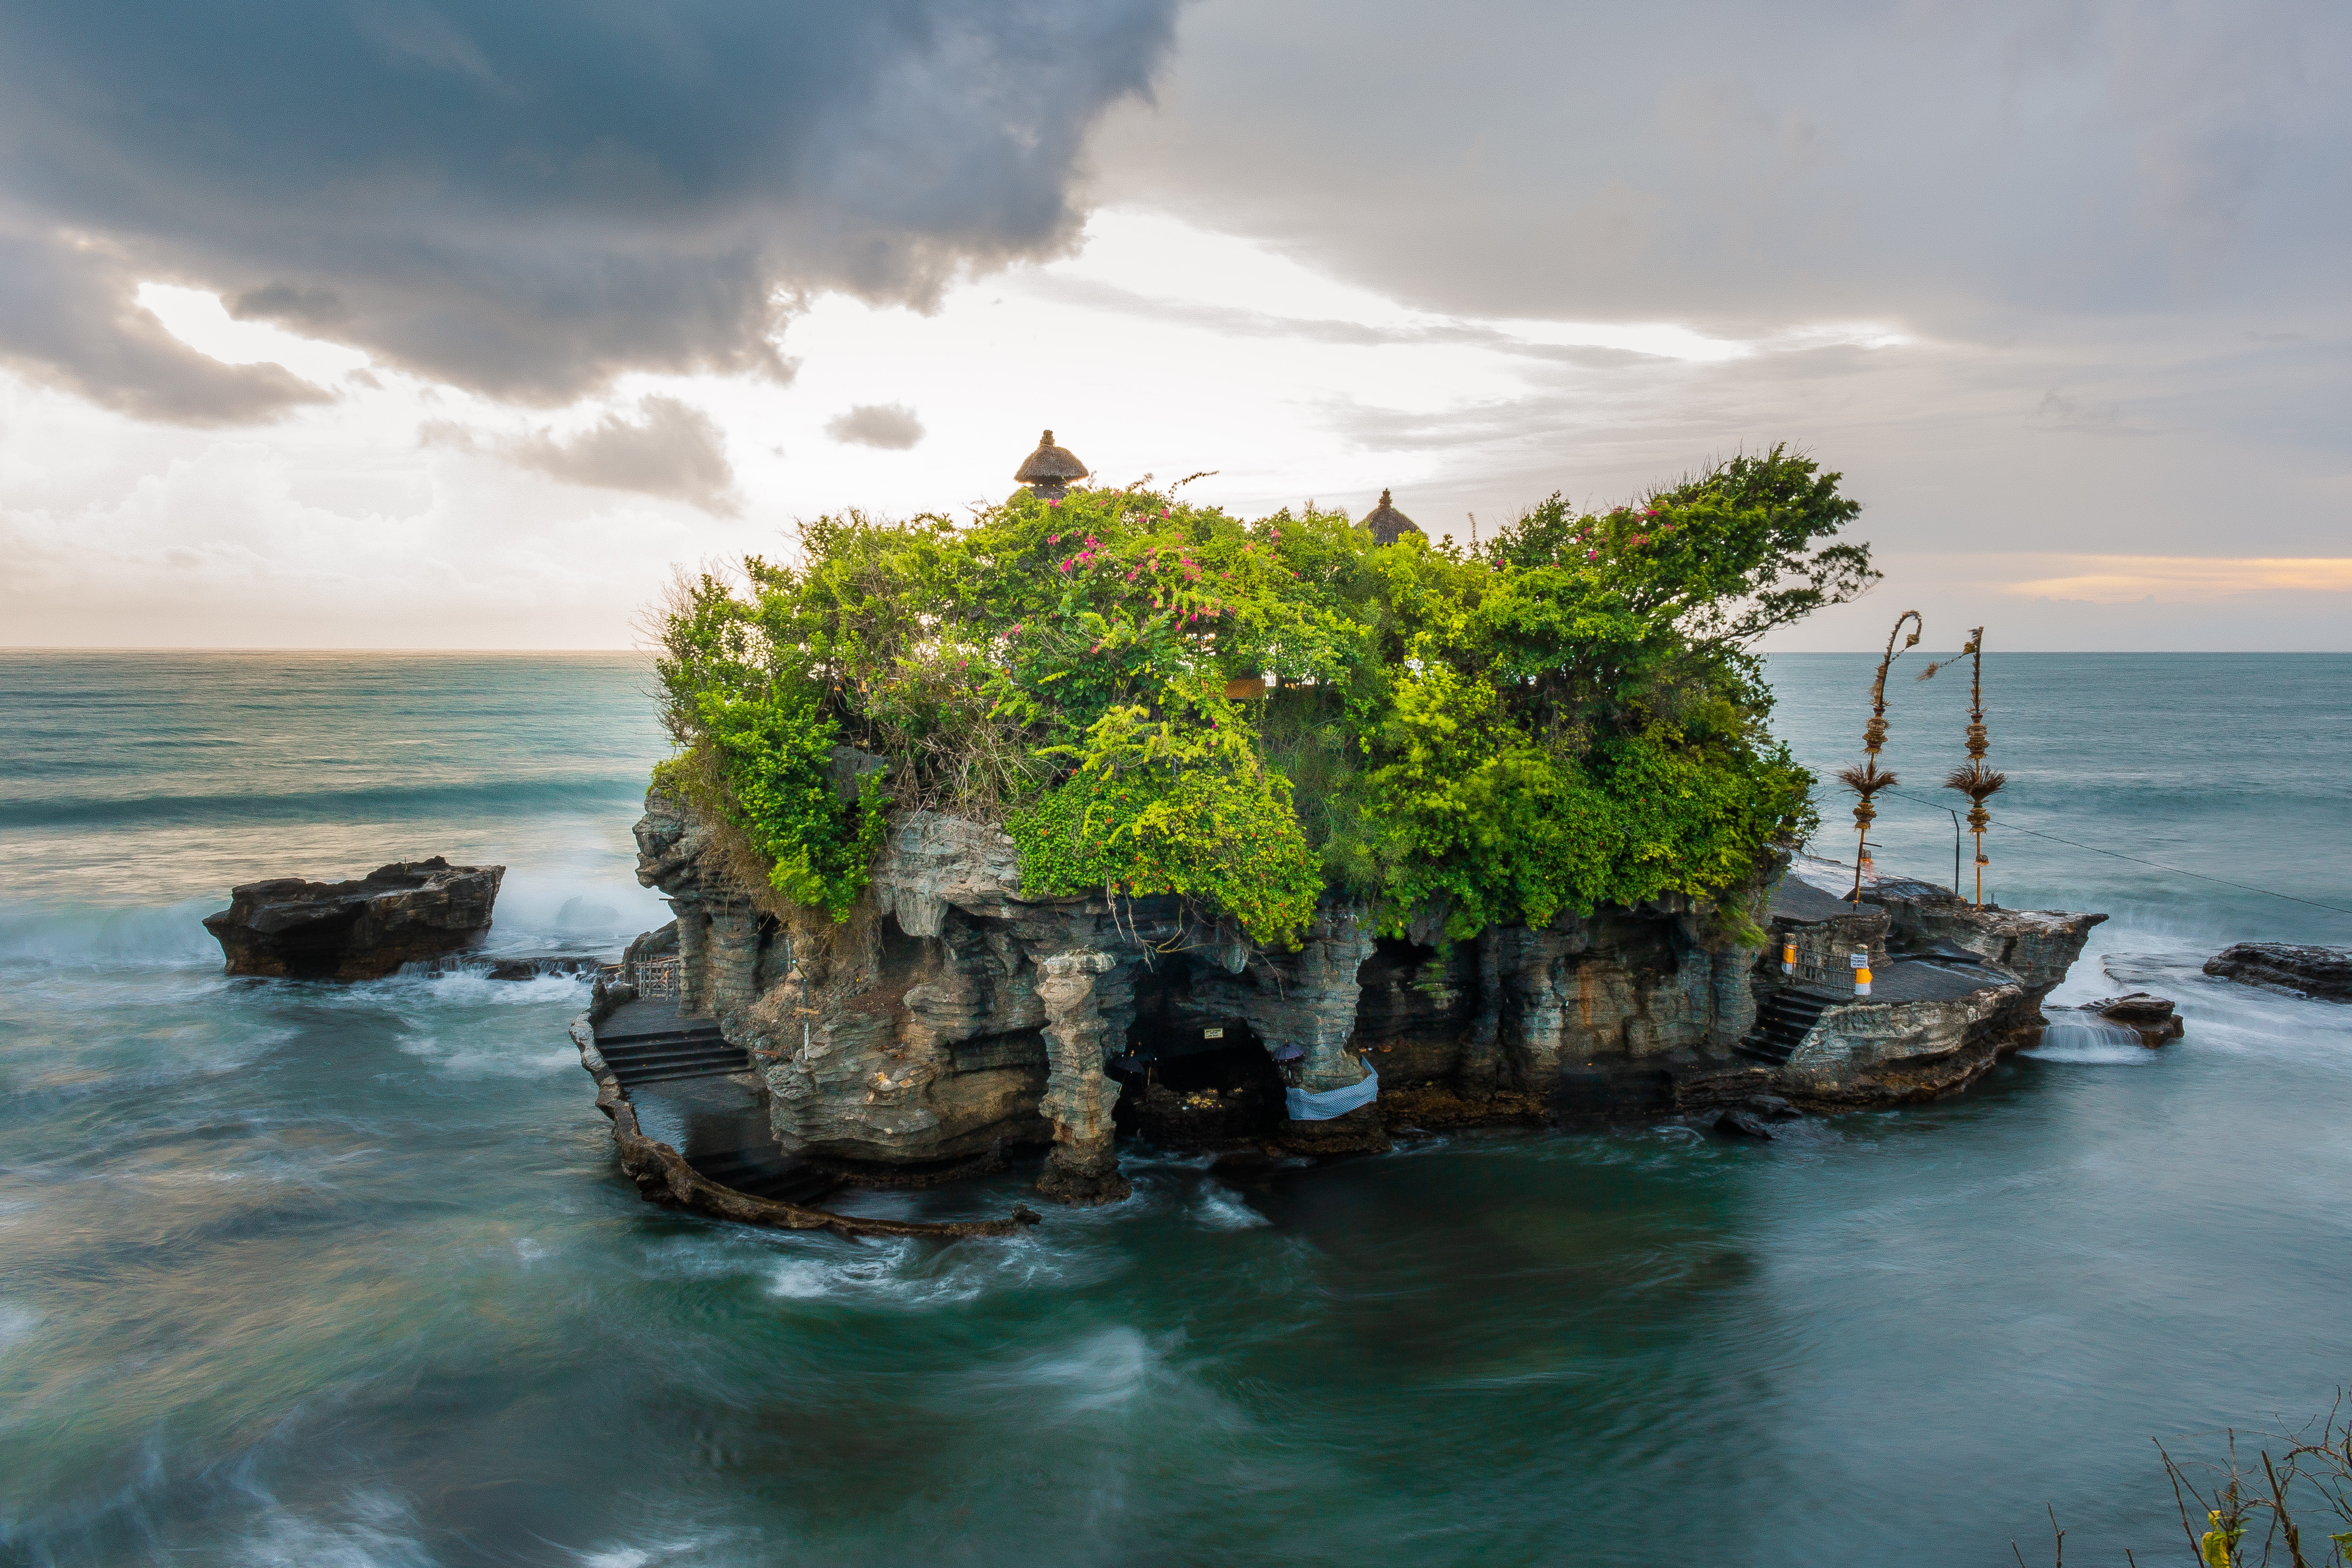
[(950, 1019)]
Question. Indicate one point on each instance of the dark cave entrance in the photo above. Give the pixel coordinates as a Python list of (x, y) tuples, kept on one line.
[(1194, 1074)]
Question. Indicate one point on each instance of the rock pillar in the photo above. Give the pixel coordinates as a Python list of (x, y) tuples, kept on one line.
[(1481, 1052), (693, 958), (1085, 1004), (730, 948), (1735, 997), (1317, 1014)]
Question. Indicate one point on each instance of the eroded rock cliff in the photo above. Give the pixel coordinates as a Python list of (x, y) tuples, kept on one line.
[(949, 1015)]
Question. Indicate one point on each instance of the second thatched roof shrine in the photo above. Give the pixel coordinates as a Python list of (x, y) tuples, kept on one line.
[(1387, 523)]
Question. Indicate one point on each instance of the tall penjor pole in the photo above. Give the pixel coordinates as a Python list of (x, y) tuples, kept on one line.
[(1976, 781), (1867, 780)]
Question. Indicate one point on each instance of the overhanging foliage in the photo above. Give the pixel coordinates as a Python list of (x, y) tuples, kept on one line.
[(1568, 717)]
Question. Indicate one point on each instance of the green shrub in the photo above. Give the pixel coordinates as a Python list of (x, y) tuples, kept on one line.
[(1568, 717)]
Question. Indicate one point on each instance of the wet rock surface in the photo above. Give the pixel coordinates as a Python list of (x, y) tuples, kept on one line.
[(2324, 973), (1755, 1115), (397, 914), (2151, 1016), (948, 1015)]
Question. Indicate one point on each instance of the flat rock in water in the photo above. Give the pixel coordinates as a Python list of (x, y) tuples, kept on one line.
[(2324, 973), (364, 930), (2136, 1007), (2152, 1017), (1738, 1123)]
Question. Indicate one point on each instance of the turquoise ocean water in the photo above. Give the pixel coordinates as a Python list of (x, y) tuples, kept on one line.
[(304, 1274)]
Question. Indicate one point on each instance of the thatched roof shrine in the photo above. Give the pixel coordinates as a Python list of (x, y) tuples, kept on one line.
[(1387, 523), (1050, 469)]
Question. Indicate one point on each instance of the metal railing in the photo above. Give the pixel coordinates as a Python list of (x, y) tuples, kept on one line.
[(656, 978)]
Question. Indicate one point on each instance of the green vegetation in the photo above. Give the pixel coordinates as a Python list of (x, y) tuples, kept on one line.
[(1567, 717)]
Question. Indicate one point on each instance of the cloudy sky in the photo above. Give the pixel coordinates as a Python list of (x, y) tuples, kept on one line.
[(404, 323)]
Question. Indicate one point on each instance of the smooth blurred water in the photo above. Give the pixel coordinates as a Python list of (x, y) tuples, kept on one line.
[(308, 1274)]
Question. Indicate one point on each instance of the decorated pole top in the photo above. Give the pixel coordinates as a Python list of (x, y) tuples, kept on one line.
[(1048, 470), (1874, 734)]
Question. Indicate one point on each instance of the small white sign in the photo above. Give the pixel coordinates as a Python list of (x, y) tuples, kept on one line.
[(1212, 1034)]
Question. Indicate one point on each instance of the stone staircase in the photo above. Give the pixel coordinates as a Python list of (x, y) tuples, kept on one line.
[(649, 1042), (1783, 1018)]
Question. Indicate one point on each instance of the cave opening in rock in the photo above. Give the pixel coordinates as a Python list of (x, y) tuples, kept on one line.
[(1194, 1072)]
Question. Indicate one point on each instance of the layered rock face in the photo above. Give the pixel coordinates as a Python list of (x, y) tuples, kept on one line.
[(396, 914), (949, 1015)]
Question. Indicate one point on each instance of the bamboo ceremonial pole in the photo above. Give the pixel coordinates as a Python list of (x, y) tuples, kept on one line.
[(1867, 780)]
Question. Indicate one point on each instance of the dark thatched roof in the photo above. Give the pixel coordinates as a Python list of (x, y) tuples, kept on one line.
[(1050, 463), (1387, 523)]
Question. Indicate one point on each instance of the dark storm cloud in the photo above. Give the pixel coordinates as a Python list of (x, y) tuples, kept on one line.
[(1742, 164), (890, 425), (529, 196)]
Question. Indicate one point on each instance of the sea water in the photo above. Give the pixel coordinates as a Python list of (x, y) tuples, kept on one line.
[(347, 1275)]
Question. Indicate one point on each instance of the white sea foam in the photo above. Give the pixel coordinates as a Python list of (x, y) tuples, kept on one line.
[(914, 1276), (685, 1549), (1103, 1372), (170, 935), (476, 1058), (378, 1532), (2091, 1039), (1114, 1377), (1217, 1206), (895, 1275), (15, 1323)]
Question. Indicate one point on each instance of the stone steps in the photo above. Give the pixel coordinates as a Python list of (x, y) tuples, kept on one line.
[(1783, 1019), (648, 1042)]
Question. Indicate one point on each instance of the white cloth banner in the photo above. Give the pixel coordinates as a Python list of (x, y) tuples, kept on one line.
[(1309, 1105)]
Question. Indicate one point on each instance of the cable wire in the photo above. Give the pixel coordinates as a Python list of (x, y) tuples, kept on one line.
[(2137, 860)]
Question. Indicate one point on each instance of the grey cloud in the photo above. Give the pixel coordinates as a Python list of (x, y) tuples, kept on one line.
[(1233, 322), (2058, 412), (528, 197), (70, 318), (1931, 161), (890, 425), (673, 450)]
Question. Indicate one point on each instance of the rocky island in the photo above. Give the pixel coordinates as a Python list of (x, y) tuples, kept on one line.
[(1105, 815), (364, 928)]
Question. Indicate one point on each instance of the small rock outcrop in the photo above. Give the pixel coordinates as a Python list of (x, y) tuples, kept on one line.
[(2324, 973), (1755, 1116), (1956, 986), (2151, 1017), (396, 914)]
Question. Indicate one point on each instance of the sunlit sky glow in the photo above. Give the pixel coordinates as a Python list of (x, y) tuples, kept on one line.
[(2118, 430)]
